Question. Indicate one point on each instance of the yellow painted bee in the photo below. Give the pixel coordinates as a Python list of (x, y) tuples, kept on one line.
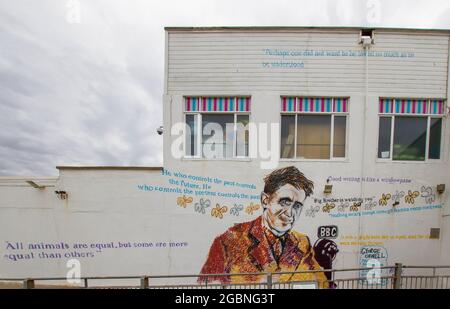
[(218, 211), (182, 201), (251, 208), (409, 198), (355, 206), (384, 199), (328, 207)]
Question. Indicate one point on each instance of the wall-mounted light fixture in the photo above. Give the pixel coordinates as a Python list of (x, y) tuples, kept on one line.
[(328, 188), (160, 130), (366, 38), (440, 188), (435, 233), (62, 194)]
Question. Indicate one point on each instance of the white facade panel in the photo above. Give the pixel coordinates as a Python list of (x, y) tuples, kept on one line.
[(306, 62), (216, 62)]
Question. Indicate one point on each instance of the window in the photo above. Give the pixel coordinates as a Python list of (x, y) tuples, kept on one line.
[(313, 128), (217, 127), (410, 129)]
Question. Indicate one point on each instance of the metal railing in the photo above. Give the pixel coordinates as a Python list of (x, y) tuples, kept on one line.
[(387, 277), (425, 277)]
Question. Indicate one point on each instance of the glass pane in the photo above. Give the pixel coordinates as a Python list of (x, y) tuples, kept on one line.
[(217, 136), (287, 136), (410, 138), (242, 135), (434, 151), (339, 136), (191, 135), (313, 137), (384, 138)]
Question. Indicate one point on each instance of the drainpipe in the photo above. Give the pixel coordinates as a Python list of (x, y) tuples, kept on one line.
[(444, 198), (448, 75), (366, 42)]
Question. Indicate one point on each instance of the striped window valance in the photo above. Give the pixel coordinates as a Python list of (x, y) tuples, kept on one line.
[(411, 106), (437, 107), (314, 105), (217, 104)]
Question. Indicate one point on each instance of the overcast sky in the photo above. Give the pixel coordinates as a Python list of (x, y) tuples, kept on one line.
[(86, 89)]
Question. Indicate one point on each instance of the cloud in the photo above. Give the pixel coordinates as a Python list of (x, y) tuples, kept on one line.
[(84, 94), (91, 93)]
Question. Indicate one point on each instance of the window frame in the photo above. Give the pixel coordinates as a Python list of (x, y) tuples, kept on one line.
[(199, 115), (428, 117), (332, 114)]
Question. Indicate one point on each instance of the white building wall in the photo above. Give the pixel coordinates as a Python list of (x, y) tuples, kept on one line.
[(407, 64), (421, 73), (114, 206), (445, 221), (400, 226), (230, 62)]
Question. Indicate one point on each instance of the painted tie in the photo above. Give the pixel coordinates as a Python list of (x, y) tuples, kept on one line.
[(278, 248)]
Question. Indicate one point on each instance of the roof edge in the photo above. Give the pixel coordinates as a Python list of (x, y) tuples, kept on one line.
[(117, 168), (259, 28)]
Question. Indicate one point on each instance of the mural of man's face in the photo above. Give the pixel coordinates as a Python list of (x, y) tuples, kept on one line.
[(282, 208)]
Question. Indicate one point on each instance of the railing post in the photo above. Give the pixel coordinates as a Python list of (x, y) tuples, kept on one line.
[(434, 279), (331, 284), (144, 282), (28, 284), (269, 280), (398, 276), (86, 283)]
